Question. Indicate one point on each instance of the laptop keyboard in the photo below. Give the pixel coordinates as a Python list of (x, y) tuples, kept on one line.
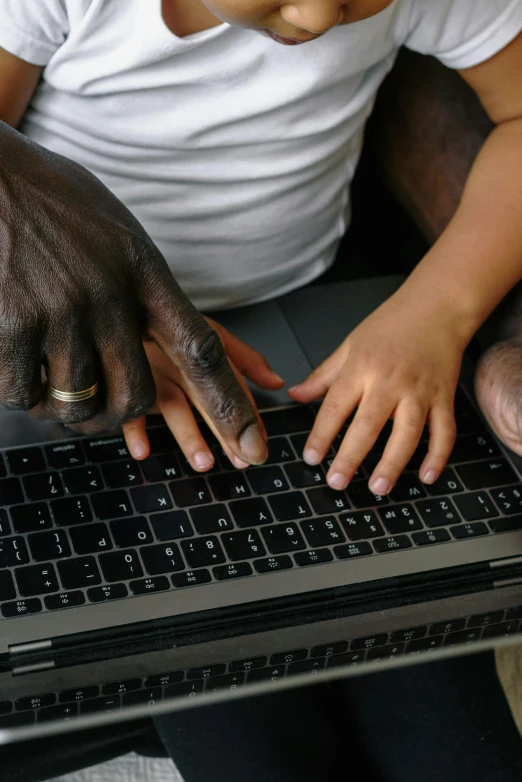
[(81, 522)]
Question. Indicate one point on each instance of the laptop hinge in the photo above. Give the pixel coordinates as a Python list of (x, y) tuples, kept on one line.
[(31, 657)]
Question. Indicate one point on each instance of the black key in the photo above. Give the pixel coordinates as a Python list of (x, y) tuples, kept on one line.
[(370, 642), (288, 657), (131, 532), (273, 673), (169, 526), (469, 530), (67, 711), (424, 645), (21, 607), (282, 538), (148, 499), (107, 592), (509, 499), (31, 518), (64, 600), (164, 558), (149, 697), (10, 491), (36, 580), (121, 565), (279, 450), (49, 545), (464, 637), (447, 483), (361, 496), (438, 513), (147, 585), (313, 557), (187, 689), (473, 447), (111, 504), (71, 510), (7, 587), (503, 630), (191, 578), (408, 635), (24, 460), (325, 500), (206, 672), (350, 660), (35, 702), (162, 467), (106, 704), (267, 480), (362, 525), (329, 649), (481, 620), (91, 538), (237, 570), (302, 476), (322, 532), (353, 550), (17, 720), (203, 551), (247, 665), (162, 679), (293, 419), (392, 544), (229, 486), (243, 545), (106, 449), (511, 524), (251, 512), (120, 474), (466, 417), (292, 505), (484, 475), (299, 442), (190, 492), (13, 551), (63, 455), (475, 506), (273, 563), (389, 652), (3, 470), (43, 487), (79, 573), (441, 628), (82, 480), (162, 440), (514, 613), (430, 536), (407, 488), (229, 682), (5, 527), (212, 518), (400, 518)]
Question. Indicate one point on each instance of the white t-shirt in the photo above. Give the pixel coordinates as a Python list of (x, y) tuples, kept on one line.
[(233, 151)]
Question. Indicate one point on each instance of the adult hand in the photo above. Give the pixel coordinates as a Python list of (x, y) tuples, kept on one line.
[(80, 284)]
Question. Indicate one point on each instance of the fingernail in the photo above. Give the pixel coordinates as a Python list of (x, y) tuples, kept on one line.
[(238, 463), (253, 445), (338, 481), (311, 456), (202, 460), (381, 486), (138, 450), (430, 476), (294, 388), (278, 377)]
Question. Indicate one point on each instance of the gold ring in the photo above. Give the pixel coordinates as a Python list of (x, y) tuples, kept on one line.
[(73, 396)]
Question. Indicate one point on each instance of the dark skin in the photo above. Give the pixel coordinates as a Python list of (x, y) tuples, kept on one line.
[(80, 300)]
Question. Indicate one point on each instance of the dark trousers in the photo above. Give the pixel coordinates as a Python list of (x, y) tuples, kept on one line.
[(426, 723)]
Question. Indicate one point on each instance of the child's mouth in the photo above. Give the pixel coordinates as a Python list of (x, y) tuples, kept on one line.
[(286, 41)]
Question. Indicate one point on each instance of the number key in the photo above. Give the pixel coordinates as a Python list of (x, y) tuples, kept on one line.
[(362, 525), (162, 559), (203, 551), (400, 518), (121, 565), (243, 545), (438, 513), (282, 538), (322, 532)]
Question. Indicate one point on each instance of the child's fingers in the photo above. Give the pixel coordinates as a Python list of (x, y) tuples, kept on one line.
[(442, 439), (321, 379), (409, 420), (338, 404), (180, 419), (248, 361), (136, 438)]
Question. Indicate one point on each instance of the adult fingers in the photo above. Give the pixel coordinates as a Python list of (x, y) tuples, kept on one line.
[(20, 367), (247, 360)]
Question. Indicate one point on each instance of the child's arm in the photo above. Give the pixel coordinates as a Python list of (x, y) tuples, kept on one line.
[(404, 360), (18, 80)]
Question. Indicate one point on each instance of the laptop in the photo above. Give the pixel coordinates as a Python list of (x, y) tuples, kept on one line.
[(139, 588)]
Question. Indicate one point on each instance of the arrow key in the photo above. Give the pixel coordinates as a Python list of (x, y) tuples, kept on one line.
[(508, 500)]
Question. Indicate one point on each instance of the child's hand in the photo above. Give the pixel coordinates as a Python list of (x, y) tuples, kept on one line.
[(173, 400), (402, 362)]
